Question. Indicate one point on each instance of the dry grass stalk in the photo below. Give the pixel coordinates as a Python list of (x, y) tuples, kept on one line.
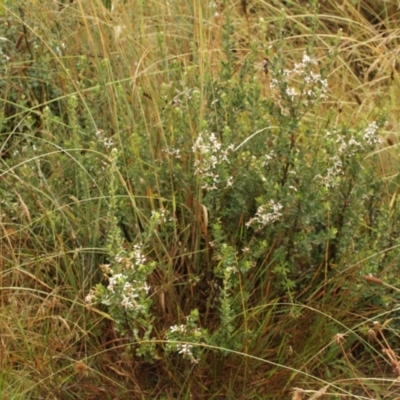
[(298, 394), (320, 393), (372, 279)]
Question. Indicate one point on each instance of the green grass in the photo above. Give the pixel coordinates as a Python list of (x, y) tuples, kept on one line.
[(246, 214)]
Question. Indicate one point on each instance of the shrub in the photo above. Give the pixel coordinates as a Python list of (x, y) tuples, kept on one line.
[(185, 207)]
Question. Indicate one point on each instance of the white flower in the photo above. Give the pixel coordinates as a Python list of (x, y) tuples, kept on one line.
[(113, 280), (291, 92), (308, 60), (370, 133), (146, 287), (139, 258), (90, 297), (331, 180), (185, 349), (127, 302), (267, 214), (210, 155), (178, 328), (107, 142), (172, 152)]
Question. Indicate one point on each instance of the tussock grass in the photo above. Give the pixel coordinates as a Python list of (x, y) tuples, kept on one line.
[(103, 105)]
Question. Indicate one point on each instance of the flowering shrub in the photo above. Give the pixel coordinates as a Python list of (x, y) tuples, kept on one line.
[(194, 201), (127, 293), (294, 189)]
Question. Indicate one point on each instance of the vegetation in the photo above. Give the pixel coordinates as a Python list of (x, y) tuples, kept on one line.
[(199, 200)]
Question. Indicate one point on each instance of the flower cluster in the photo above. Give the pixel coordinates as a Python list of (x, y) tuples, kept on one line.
[(186, 350), (127, 287), (129, 293), (173, 152), (311, 86), (210, 156), (332, 177), (106, 141), (137, 254), (355, 145), (160, 216), (266, 214), (180, 336), (348, 147), (178, 328), (369, 134)]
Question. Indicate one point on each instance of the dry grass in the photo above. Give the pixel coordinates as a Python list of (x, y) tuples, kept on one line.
[(51, 344)]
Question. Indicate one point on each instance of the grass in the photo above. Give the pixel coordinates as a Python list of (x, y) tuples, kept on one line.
[(144, 143)]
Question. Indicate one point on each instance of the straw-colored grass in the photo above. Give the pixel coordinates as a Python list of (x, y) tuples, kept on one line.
[(81, 77)]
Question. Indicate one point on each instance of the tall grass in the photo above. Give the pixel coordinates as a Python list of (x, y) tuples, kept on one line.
[(199, 199)]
